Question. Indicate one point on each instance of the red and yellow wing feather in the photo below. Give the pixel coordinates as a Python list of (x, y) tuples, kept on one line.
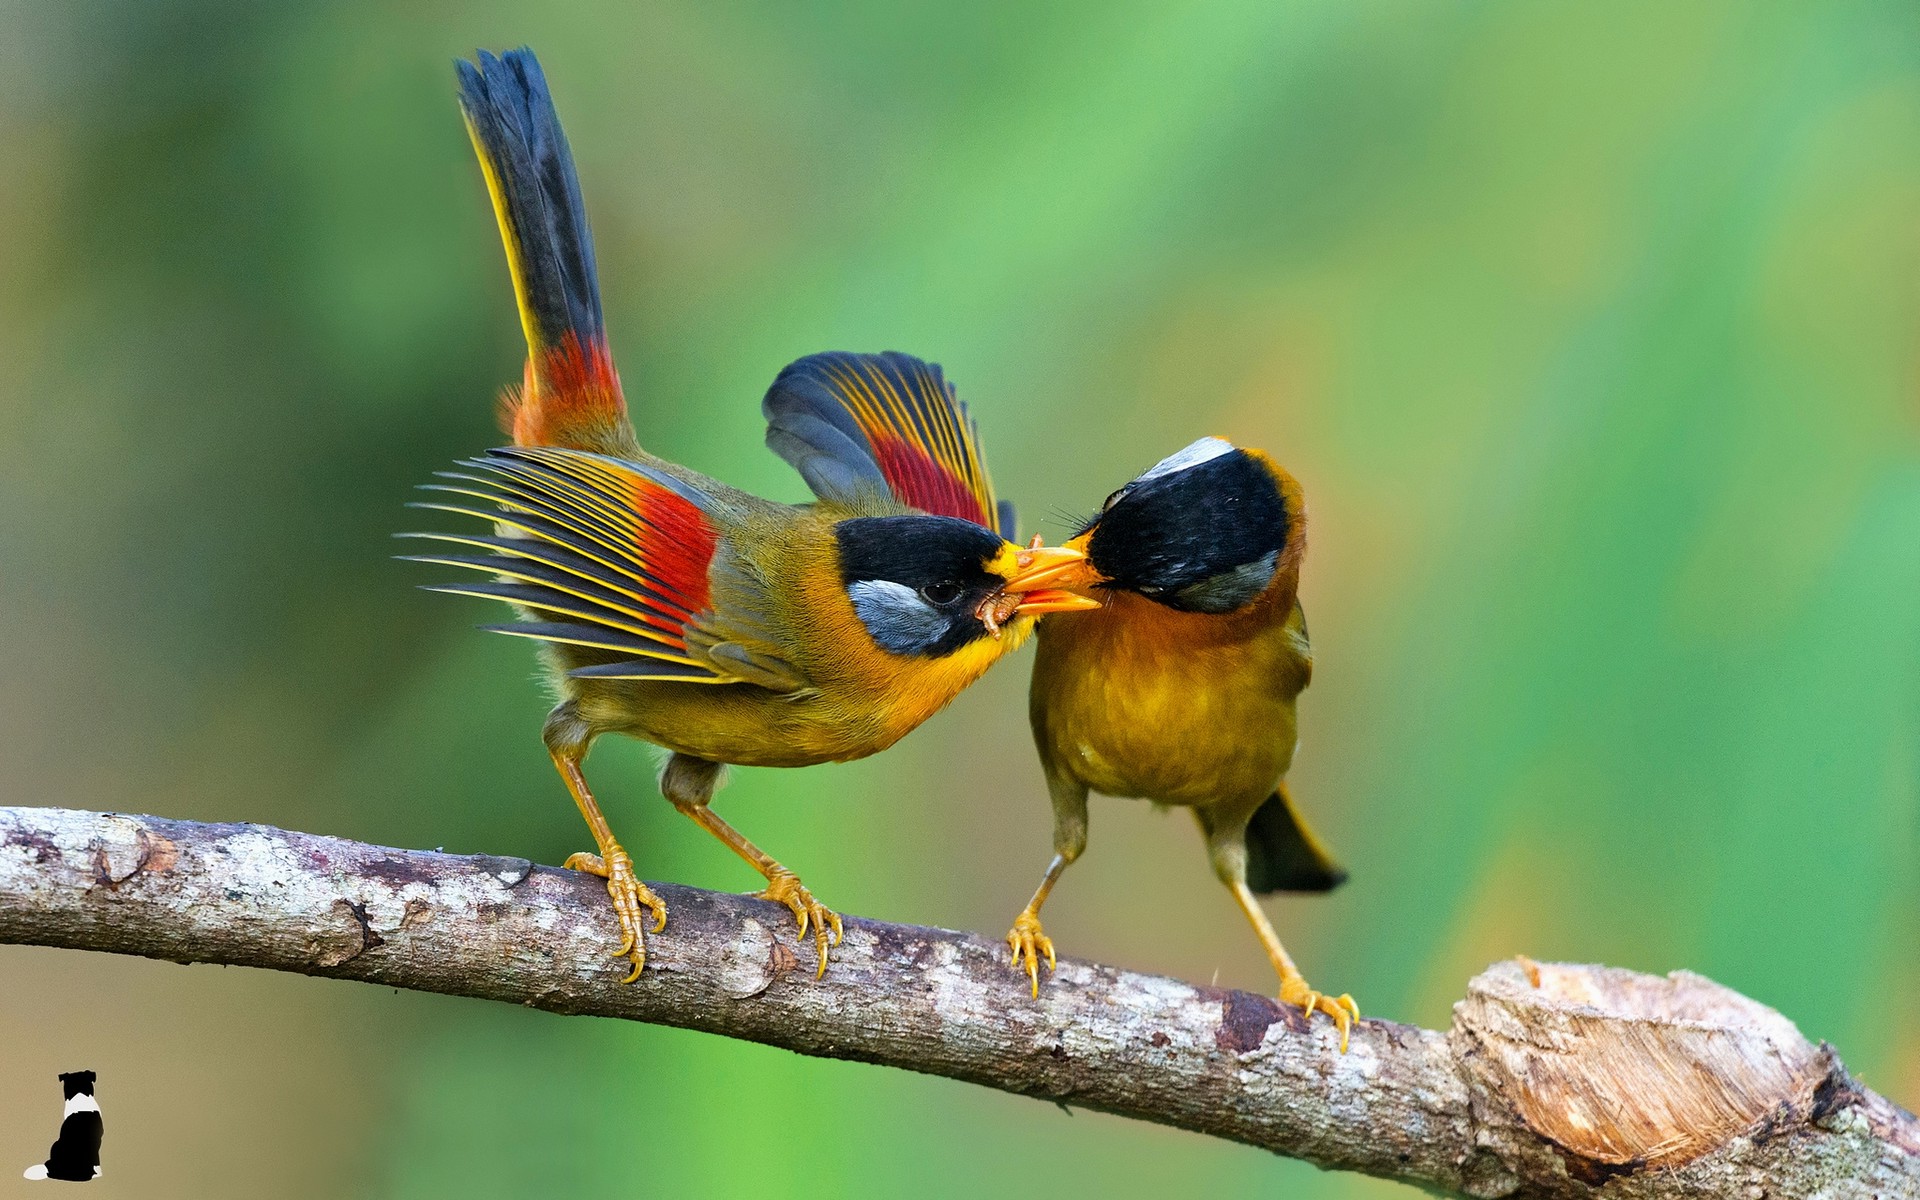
[(888, 422), (596, 552)]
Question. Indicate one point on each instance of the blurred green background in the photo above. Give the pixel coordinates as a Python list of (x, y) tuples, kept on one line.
[(1590, 330)]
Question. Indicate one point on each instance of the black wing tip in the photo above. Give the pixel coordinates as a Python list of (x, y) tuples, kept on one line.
[(557, 461), (1008, 518), (645, 668), (578, 632), (542, 456), (514, 454), (898, 360), (815, 383)]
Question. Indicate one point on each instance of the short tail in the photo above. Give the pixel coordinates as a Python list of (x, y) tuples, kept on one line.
[(1283, 855), (571, 397)]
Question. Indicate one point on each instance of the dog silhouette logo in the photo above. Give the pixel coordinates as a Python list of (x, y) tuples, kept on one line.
[(76, 1152)]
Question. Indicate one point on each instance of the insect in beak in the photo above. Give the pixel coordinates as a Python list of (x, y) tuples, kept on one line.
[(1030, 589)]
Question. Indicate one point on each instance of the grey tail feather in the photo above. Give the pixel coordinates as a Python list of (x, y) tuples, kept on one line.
[(512, 115), (1283, 855)]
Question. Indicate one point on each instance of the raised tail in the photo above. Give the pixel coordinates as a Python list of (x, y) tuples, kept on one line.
[(571, 396), (1283, 855)]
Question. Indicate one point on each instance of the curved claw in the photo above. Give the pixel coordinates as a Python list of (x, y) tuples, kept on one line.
[(784, 887), (630, 900), (1343, 1011), (1029, 941)]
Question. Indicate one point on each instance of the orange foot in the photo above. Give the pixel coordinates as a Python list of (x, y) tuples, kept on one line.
[(1029, 941), (784, 887), (631, 899), (1294, 991)]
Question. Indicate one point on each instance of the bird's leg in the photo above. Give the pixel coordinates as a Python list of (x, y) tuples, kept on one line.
[(689, 783), (1028, 939), (1293, 986), (568, 745), (1229, 855)]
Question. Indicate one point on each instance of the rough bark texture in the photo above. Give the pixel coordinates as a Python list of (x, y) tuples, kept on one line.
[(1591, 1083)]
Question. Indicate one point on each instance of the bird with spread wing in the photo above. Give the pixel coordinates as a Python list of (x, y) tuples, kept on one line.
[(673, 608)]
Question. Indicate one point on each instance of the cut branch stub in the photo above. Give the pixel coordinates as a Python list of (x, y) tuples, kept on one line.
[(1625, 1069), (1624, 1077)]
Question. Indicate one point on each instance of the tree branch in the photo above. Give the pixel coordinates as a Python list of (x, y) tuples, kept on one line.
[(1592, 1082)]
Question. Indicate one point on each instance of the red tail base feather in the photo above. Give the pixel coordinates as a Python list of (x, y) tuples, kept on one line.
[(571, 399)]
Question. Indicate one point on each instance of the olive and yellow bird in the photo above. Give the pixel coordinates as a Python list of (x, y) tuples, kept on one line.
[(678, 610), (1181, 688)]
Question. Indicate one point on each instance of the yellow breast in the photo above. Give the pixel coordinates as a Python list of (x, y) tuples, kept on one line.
[(1137, 699)]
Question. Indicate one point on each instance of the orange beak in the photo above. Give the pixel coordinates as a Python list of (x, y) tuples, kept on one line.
[(1042, 574), (1027, 590), (1051, 567), (1046, 600)]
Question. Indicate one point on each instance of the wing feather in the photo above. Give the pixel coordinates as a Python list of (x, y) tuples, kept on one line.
[(601, 553), (891, 424)]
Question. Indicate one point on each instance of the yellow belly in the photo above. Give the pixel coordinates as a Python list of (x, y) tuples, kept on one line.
[(1180, 708)]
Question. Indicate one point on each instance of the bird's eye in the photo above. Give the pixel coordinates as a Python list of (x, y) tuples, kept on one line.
[(940, 594), (1113, 499)]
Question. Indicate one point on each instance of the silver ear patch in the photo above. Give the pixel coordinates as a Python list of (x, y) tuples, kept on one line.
[(1204, 450), (896, 617), (1230, 589)]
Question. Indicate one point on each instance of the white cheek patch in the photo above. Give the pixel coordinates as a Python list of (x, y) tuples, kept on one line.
[(1204, 450), (895, 615)]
